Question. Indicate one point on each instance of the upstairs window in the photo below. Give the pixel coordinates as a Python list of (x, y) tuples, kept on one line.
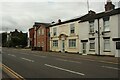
[(91, 24), (39, 32), (43, 31), (54, 31), (72, 28), (106, 26)]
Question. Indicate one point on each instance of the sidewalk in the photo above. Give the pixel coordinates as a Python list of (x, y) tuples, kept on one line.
[(107, 59)]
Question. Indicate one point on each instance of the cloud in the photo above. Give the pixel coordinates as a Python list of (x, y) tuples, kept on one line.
[(22, 15)]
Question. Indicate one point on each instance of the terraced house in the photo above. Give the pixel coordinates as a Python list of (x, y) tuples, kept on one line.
[(100, 32), (64, 36)]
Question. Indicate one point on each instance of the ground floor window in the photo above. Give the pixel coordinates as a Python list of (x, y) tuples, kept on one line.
[(72, 43), (106, 44), (55, 43), (92, 44)]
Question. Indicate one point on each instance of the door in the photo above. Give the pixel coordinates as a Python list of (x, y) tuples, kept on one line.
[(84, 47), (63, 46)]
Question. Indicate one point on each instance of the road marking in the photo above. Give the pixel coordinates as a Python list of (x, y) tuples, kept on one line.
[(24, 53), (108, 62), (12, 55), (87, 59), (67, 60), (64, 69), (110, 67), (40, 56), (27, 59), (11, 73)]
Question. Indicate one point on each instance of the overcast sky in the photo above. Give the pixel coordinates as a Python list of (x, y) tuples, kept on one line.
[(22, 14)]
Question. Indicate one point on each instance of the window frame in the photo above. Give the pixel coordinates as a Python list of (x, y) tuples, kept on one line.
[(55, 43), (93, 43), (91, 27), (72, 28), (108, 44), (106, 26), (72, 43), (54, 31)]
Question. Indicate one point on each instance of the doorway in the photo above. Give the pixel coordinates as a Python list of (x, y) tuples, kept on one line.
[(84, 47), (63, 46)]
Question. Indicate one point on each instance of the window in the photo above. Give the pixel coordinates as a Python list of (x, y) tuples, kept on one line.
[(92, 44), (54, 31), (72, 28), (42, 31), (72, 43), (39, 32), (91, 27), (55, 43), (106, 26), (106, 44)]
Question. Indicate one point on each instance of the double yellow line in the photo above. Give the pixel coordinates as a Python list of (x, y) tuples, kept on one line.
[(11, 73)]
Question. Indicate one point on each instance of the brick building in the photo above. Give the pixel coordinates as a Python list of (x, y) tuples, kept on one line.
[(31, 37), (39, 36)]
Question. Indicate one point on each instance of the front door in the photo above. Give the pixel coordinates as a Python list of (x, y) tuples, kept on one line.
[(84, 47), (63, 46)]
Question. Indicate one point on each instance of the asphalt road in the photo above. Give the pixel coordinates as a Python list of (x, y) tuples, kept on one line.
[(31, 64)]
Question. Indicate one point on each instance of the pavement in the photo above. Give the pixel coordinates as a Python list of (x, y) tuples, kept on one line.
[(109, 59)]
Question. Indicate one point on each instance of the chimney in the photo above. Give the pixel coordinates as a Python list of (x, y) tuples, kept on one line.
[(91, 12), (59, 20), (109, 5)]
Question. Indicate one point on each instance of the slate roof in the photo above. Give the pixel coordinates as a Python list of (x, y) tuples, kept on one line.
[(100, 15), (88, 17)]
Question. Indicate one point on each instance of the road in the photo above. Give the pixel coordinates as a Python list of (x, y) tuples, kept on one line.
[(31, 64)]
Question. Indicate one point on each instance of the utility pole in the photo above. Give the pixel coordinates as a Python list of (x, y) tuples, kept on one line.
[(88, 5)]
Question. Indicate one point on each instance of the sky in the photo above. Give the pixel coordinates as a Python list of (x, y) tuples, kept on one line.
[(21, 14)]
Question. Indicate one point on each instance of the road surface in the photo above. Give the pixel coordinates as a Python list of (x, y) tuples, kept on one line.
[(31, 64)]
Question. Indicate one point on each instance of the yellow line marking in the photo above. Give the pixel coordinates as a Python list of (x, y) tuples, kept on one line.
[(11, 73)]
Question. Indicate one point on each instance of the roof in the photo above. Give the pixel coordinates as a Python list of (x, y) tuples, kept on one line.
[(100, 15), (92, 16), (71, 20), (38, 23)]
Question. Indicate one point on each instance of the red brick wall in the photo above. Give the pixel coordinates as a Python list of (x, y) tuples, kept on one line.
[(31, 36), (43, 38)]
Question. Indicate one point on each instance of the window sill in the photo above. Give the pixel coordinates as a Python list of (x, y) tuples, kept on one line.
[(72, 33), (72, 47), (91, 33), (105, 31), (106, 51), (92, 50)]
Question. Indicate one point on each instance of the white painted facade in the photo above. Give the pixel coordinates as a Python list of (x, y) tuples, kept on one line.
[(63, 36), (114, 32)]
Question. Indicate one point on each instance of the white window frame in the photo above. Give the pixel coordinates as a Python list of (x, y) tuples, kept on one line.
[(106, 26), (92, 42), (39, 32), (72, 43), (54, 31), (42, 31), (106, 44), (72, 28), (55, 43), (91, 27)]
